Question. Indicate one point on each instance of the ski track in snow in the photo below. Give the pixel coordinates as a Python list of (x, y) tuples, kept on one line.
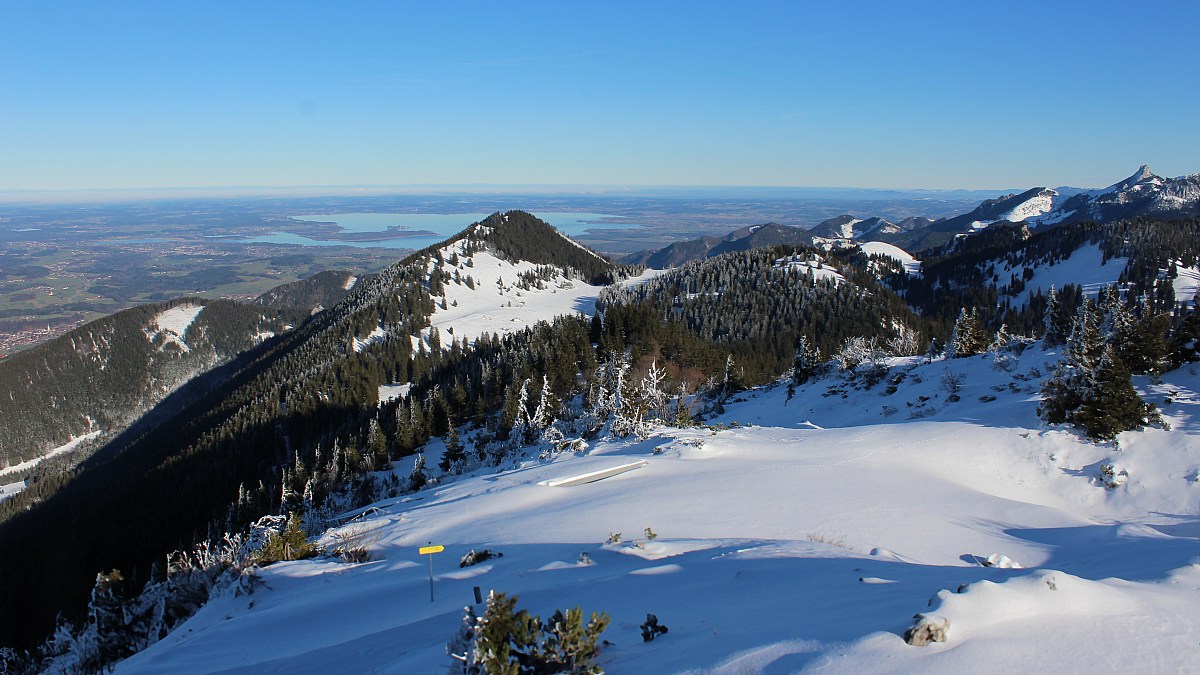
[(62, 449)]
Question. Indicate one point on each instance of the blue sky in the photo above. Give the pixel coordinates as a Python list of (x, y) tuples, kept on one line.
[(888, 94)]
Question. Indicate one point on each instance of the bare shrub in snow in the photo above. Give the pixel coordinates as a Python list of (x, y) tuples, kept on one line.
[(651, 628), (352, 545), (952, 382)]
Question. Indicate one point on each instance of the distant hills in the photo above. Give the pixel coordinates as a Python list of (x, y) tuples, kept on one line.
[(1142, 194)]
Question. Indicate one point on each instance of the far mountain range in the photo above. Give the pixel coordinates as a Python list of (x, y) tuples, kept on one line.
[(1142, 194)]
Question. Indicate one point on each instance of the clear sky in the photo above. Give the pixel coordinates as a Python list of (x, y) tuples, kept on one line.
[(885, 94)]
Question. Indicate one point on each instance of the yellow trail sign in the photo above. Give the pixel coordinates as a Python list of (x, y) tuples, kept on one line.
[(430, 550)]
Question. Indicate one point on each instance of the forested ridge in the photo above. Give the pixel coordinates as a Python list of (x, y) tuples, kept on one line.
[(106, 373), (988, 270)]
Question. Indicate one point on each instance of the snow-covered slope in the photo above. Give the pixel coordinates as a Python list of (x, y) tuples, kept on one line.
[(811, 264), (1085, 267), (1186, 283), (170, 325), (496, 303), (1037, 204), (912, 266), (798, 534)]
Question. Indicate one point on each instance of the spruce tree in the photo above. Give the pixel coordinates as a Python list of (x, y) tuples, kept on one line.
[(1112, 405), (454, 456), (1055, 325), (807, 361)]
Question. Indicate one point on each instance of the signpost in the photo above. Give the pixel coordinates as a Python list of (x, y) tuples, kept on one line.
[(430, 550)]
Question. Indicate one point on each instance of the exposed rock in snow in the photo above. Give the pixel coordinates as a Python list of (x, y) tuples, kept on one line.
[(928, 628), (1001, 561)]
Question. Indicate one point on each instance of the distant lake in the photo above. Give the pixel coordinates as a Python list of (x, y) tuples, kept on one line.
[(442, 226)]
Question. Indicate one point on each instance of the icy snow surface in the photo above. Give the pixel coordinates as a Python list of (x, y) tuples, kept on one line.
[(804, 538)]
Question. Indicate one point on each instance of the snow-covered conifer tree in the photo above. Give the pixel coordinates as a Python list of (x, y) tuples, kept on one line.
[(521, 416)]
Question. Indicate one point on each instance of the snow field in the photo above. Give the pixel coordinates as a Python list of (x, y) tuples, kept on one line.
[(820, 270), (1084, 267), (912, 266), (805, 537), (1185, 283), (173, 323), (1035, 206)]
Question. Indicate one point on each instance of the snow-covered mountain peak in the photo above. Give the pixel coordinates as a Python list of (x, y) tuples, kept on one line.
[(1142, 194), (1142, 176)]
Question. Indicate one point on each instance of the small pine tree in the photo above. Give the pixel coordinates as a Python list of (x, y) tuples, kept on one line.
[(511, 642), (520, 432), (807, 361), (418, 478), (968, 337), (454, 456), (682, 417), (290, 544)]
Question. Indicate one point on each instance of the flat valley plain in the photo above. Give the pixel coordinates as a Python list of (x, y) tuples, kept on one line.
[(64, 264)]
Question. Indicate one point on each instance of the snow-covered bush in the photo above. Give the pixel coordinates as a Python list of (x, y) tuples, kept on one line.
[(290, 544), (1112, 477), (1001, 561), (118, 624)]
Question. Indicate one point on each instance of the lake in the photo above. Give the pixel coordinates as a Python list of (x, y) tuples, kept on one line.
[(442, 226)]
